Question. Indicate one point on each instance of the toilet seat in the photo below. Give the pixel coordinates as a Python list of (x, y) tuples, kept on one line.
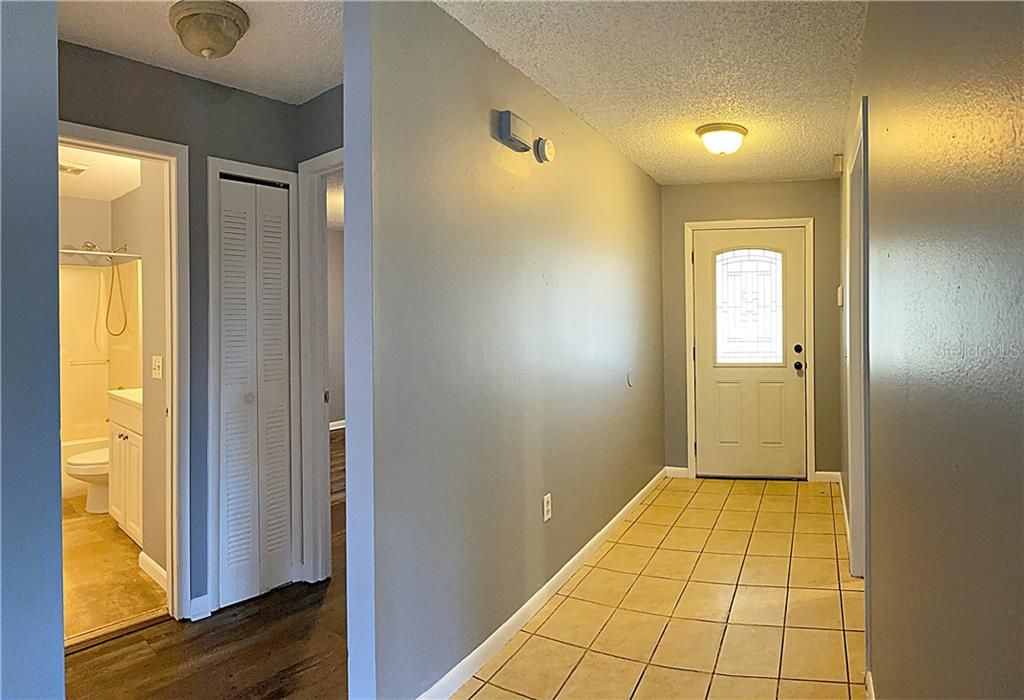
[(91, 462)]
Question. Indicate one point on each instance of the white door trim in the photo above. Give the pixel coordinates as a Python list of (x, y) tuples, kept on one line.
[(313, 372), (176, 252), (214, 168), (691, 399)]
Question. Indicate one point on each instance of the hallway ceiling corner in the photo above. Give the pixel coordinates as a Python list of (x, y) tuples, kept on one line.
[(292, 51), (646, 75)]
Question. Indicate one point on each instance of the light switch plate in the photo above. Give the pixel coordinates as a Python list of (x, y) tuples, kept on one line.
[(157, 371)]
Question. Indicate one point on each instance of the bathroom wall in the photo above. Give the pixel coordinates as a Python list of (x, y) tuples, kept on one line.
[(336, 322), (84, 220), (138, 221)]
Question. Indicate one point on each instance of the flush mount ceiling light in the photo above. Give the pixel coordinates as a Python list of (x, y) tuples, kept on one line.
[(722, 139), (208, 29)]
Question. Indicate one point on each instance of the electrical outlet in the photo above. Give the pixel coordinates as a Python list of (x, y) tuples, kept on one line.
[(547, 507), (157, 371)]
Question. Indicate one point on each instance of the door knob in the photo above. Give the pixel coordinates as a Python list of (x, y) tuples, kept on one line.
[(250, 397), (798, 365)]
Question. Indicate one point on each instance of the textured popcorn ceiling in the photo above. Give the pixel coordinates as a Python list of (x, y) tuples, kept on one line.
[(646, 75), (292, 51)]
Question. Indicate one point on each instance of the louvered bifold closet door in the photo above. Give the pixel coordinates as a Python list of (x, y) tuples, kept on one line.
[(274, 376), (239, 454)]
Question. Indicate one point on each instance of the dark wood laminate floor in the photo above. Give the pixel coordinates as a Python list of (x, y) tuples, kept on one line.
[(288, 643)]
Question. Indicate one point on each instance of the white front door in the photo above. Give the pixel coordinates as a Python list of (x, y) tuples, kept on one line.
[(749, 352)]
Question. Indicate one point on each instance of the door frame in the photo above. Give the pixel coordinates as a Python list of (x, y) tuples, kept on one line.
[(689, 228), (214, 168), (177, 574), (315, 363)]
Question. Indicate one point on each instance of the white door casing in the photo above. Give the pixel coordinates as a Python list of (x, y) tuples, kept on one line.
[(748, 332)]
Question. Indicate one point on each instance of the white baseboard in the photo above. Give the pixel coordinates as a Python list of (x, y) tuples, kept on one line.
[(679, 472), (153, 570), (336, 425), (464, 670), (831, 477), (869, 685)]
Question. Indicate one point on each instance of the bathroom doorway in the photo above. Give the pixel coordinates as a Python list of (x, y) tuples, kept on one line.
[(123, 382)]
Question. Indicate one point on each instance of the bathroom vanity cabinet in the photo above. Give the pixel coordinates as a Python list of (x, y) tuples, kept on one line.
[(126, 461)]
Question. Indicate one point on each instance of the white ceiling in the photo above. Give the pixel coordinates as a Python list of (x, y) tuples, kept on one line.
[(292, 51), (107, 176), (646, 75)]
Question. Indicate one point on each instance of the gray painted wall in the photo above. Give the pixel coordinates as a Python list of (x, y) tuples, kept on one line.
[(946, 306), (318, 125), (509, 300), (138, 222), (755, 200), (99, 89), (31, 635), (336, 321)]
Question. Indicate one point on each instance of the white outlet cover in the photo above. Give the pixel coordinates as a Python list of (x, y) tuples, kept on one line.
[(157, 370)]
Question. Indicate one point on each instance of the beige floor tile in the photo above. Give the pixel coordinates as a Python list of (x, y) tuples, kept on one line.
[(811, 690), (858, 691), (837, 489), (846, 580), (663, 683), (754, 487), (709, 501), (758, 605), (736, 520), (814, 488), (493, 692), (635, 512), (672, 499), (818, 523), (601, 550), (690, 539), (840, 524), (780, 488), (813, 573), (657, 596), (739, 688), (813, 607), (630, 634), (811, 545), (765, 571), (842, 546), (717, 568), (749, 650), (576, 622), (628, 558), (543, 614), (599, 676), (644, 534), (855, 656), (778, 504), (689, 644), (670, 563), (742, 501), (574, 580), (773, 522), (538, 669), (814, 504), (727, 542), (705, 601), (619, 530), (837, 505), (853, 610), (715, 486), (770, 544), (603, 586), (660, 515), (698, 517), (504, 654), (689, 485), (466, 690), (814, 655), (649, 498)]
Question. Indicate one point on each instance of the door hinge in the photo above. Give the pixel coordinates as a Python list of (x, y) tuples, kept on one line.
[(692, 258), (694, 353), (327, 397), (695, 447)]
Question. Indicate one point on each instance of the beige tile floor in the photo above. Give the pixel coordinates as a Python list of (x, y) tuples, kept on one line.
[(712, 588), (103, 584)]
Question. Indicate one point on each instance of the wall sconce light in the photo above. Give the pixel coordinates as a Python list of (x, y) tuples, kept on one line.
[(516, 133)]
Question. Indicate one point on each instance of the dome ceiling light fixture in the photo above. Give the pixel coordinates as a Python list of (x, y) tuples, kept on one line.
[(208, 29), (722, 139)]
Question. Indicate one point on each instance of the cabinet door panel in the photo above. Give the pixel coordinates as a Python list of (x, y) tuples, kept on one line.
[(116, 476), (133, 486)]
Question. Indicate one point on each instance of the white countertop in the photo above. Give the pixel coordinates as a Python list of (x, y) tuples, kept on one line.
[(132, 396)]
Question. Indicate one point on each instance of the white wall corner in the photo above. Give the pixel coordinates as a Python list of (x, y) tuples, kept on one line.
[(153, 570)]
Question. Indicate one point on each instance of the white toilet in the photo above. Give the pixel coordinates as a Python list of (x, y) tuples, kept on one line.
[(92, 467)]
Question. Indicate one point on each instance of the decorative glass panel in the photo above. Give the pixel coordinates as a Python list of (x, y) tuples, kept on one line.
[(748, 300)]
